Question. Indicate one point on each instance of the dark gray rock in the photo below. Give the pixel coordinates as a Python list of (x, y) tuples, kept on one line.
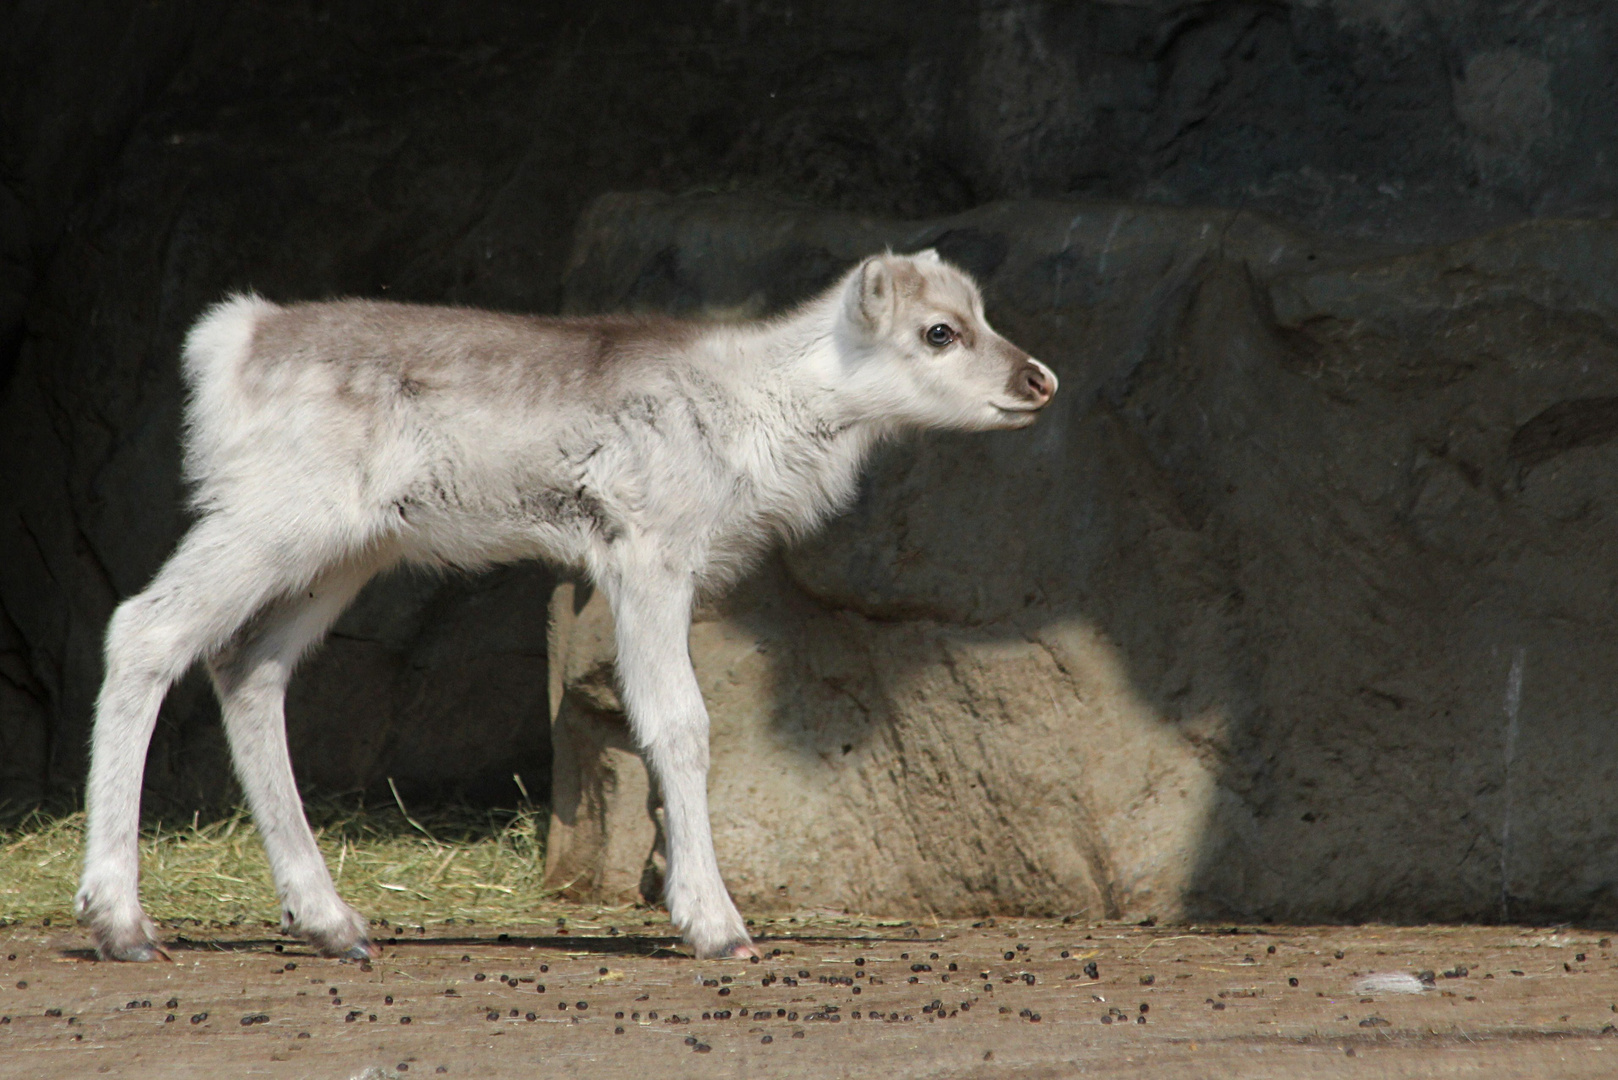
[(1297, 603)]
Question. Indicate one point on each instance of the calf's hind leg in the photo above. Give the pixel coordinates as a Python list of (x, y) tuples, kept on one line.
[(219, 576), (250, 675)]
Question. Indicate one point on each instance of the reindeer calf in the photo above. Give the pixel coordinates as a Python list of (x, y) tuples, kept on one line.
[(328, 441)]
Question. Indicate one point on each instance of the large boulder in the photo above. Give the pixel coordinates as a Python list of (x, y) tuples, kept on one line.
[(1298, 603)]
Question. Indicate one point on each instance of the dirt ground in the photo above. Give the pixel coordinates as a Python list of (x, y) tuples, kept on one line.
[(834, 998)]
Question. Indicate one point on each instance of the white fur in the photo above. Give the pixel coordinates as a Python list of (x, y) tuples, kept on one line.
[(327, 442)]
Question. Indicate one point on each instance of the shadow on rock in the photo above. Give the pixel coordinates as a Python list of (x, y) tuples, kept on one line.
[(1296, 605)]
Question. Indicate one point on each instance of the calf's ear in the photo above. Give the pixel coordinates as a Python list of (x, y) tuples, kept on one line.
[(870, 295)]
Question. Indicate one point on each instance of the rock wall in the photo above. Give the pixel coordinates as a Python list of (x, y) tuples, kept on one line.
[(156, 153), (1297, 603)]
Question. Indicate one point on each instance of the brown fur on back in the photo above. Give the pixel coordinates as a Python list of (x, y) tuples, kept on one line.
[(418, 348)]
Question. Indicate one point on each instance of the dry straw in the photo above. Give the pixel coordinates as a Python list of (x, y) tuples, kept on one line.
[(408, 869)]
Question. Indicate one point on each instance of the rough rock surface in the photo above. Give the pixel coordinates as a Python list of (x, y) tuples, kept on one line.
[(1298, 603)]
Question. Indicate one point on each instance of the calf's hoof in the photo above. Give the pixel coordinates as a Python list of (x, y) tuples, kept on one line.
[(339, 933), (130, 936), (730, 950), (341, 946), (143, 953), (363, 950), (138, 946)]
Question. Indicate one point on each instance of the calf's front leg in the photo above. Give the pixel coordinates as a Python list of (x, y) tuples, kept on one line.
[(652, 614)]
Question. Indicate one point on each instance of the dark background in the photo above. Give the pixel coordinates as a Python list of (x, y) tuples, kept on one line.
[(154, 155)]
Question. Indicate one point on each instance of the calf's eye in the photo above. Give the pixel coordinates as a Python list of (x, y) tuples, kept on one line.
[(940, 335)]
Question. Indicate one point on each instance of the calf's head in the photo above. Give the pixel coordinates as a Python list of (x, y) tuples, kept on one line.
[(920, 353)]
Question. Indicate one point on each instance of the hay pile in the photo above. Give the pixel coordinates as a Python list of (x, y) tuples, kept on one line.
[(407, 869)]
